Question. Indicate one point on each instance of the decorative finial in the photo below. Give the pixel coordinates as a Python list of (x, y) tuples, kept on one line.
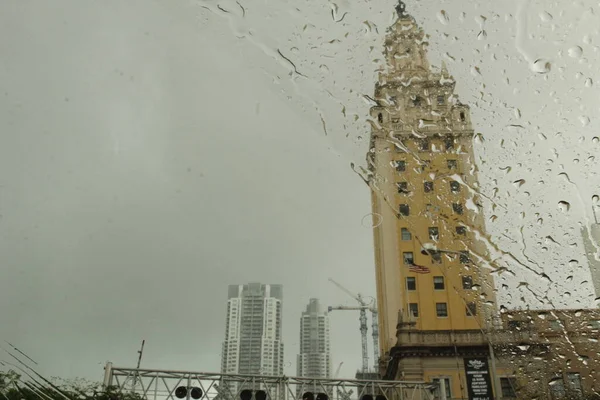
[(401, 9)]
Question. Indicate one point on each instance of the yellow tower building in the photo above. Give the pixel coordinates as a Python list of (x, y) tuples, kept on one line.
[(434, 289)]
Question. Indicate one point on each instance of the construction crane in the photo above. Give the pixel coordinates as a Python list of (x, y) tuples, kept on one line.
[(363, 307)]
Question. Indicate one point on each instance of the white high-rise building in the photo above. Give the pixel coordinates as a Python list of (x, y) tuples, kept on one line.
[(314, 360), (591, 243), (253, 342)]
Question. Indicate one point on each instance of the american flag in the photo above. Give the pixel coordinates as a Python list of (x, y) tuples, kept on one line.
[(418, 269)]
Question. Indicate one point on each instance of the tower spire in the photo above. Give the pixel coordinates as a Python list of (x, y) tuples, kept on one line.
[(401, 9)]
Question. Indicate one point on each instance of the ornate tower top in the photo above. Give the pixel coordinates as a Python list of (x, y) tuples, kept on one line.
[(401, 9)]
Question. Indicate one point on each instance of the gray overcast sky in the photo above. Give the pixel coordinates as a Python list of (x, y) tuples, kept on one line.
[(154, 152)]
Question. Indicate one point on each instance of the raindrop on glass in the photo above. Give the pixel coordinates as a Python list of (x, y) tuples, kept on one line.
[(564, 206), (442, 16), (575, 52)]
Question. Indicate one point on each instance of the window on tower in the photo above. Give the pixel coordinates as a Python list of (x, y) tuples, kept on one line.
[(434, 233), (411, 283), (441, 309), (414, 310), (404, 209), (471, 309), (462, 116), (461, 230), (405, 234), (400, 166), (440, 100), (457, 208), (464, 257), (403, 187), (380, 118), (408, 258), (428, 187), (508, 385), (454, 186), (449, 143), (452, 164), (416, 101), (424, 144), (438, 283)]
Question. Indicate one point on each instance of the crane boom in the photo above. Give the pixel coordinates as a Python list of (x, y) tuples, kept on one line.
[(356, 297), (349, 308)]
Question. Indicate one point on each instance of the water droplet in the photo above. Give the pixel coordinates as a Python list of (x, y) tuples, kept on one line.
[(589, 82), (519, 183), (442, 16), (545, 16), (371, 220), (541, 66), (575, 52), (564, 206), (595, 139), (584, 119)]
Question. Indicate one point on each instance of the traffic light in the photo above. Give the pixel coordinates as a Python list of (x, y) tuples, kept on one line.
[(311, 396), (182, 392), (247, 394)]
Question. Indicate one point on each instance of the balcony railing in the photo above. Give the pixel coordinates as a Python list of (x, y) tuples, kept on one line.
[(466, 337)]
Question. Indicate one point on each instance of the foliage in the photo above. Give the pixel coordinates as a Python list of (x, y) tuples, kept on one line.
[(12, 387)]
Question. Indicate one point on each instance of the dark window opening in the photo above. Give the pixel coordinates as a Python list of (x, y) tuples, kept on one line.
[(403, 187), (514, 324), (449, 143), (405, 234), (436, 392), (452, 164), (464, 257), (380, 118), (438, 283), (454, 186), (400, 166), (417, 101), (461, 230), (441, 309), (434, 233), (462, 116), (404, 209), (467, 282), (471, 309), (424, 144), (458, 208), (428, 187), (508, 387), (414, 310), (411, 283), (408, 258), (440, 100)]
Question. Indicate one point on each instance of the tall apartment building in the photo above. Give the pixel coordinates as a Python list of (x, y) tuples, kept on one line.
[(314, 360), (253, 342), (432, 283)]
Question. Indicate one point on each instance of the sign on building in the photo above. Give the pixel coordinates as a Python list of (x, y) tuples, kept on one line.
[(479, 382)]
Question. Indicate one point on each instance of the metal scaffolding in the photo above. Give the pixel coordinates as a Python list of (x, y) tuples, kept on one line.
[(156, 384)]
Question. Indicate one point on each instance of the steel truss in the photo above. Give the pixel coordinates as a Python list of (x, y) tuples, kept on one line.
[(156, 384)]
